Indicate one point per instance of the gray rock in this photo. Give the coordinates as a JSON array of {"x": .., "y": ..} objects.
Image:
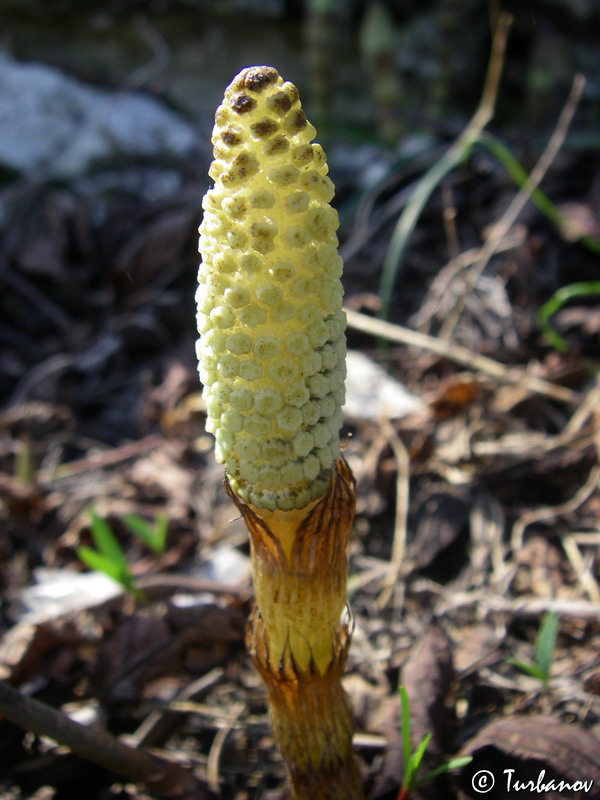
[
  {"x": 52, "y": 123},
  {"x": 371, "y": 394}
]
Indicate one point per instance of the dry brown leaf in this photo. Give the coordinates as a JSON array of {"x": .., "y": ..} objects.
[
  {"x": 476, "y": 646},
  {"x": 158, "y": 241},
  {"x": 455, "y": 395},
  {"x": 426, "y": 676},
  {"x": 441, "y": 518},
  {"x": 539, "y": 749},
  {"x": 29, "y": 650}
]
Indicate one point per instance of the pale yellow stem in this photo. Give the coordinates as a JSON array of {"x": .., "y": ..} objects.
[{"x": 299, "y": 635}]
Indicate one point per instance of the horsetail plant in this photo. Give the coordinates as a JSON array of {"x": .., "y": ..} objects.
[{"x": 271, "y": 358}]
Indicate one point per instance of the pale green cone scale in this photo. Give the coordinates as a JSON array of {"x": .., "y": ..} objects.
[{"x": 272, "y": 347}]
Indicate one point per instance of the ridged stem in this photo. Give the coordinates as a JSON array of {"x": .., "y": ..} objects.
[{"x": 299, "y": 634}]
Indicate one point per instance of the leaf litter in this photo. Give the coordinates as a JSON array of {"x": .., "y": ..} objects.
[{"x": 478, "y": 507}]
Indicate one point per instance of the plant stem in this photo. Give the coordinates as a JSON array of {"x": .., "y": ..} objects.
[{"x": 299, "y": 636}]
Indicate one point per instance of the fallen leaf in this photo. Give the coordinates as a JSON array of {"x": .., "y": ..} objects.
[
  {"x": 426, "y": 676},
  {"x": 539, "y": 749},
  {"x": 441, "y": 518},
  {"x": 454, "y": 396}
]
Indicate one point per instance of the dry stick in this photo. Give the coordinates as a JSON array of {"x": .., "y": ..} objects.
[
  {"x": 586, "y": 537},
  {"x": 438, "y": 288},
  {"x": 163, "y": 777},
  {"x": 159, "y": 725},
  {"x": 487, "y": 104},
  {"x": 449, "y": 221},
  {"x": 487, "y": 522},
  {"x": 105, "y": 458},
  {"x": 549, "y": 512},
  {"x": 519, "y": 201},
  {"x": 402, "y": 501},
  {"x": 462, "y": 355},
  {"x": 534, "y": 608},
  {"x": 535, "y": 445},
  {"x": 214, "y": 755},
  {"x": 583, "y": 574},
  {"x": 491, "y": 603}
]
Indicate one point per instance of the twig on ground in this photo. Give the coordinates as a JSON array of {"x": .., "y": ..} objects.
[
  {"x": 491, "y": 603},
  {"x": 449, "y": 221},
  {"x": 550, "y": 512},
  {"x": 461, "y": 355},
  {"x": 446, "y": 163},
  {"x": 436, "y": 300},
  {"x": 583, "y": 574},
  {"x": 165, "y": 585},
  {"x": 391, "y": 580},
  {"x": 586, "y": 537},
  {"x": 105, "y": 459},
  {"x": 214, "y": 755},
  {"x": 162, "y": 777},
  {"x": 487, "y": 523},
  {"x": 159, "y": 725}
]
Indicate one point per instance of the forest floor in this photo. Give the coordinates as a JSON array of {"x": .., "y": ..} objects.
[{"x": 477, "y": 515}]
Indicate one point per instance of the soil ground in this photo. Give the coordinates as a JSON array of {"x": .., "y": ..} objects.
[{"x": 475, "y": 517}]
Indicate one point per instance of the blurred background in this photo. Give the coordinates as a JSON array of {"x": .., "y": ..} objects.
[
  {"x": 106, "y": 111},
  {"x": 105, "y": 118}
]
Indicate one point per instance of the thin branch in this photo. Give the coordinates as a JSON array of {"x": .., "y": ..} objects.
[
  {"x": 159, "y": 725},
  {"x": 212, "y": 765},
  {"x": 550, "y": 512},
  {"x": 106, "y": 458},
  {"x": 461, "y": 355},
  {"x": 490, "y": 604},
  {"x": 455, "y": 153},
  {"x": 394, "y": 571},
  {"x": 583, "y": 573},
  {"x": 487, "y": 104},
  {"x": 163, "y": 777},
  {"x": 517, "y": 204}
]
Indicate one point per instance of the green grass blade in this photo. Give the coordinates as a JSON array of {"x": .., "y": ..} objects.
[
  {"x": 545, "y": 643},
  {"x": 528, "y": 668},
  {"x": 454, "y": 763},
  {"x": 105, "y": 540},
  {"x": 556, "y": 302},
  {"x": 538, "y": 198},
  {"x": 161, "y": 529},
  {"x": 154, "y": 538},
  {"x": 409, "y": 217},
  {"x": 406, "y": 744},
  {"x": 101, "y": 563},
  {"x": 553, "y": 337},
  {"x": 417, "y": 757},
  {"x": 139, "y": 527}
]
